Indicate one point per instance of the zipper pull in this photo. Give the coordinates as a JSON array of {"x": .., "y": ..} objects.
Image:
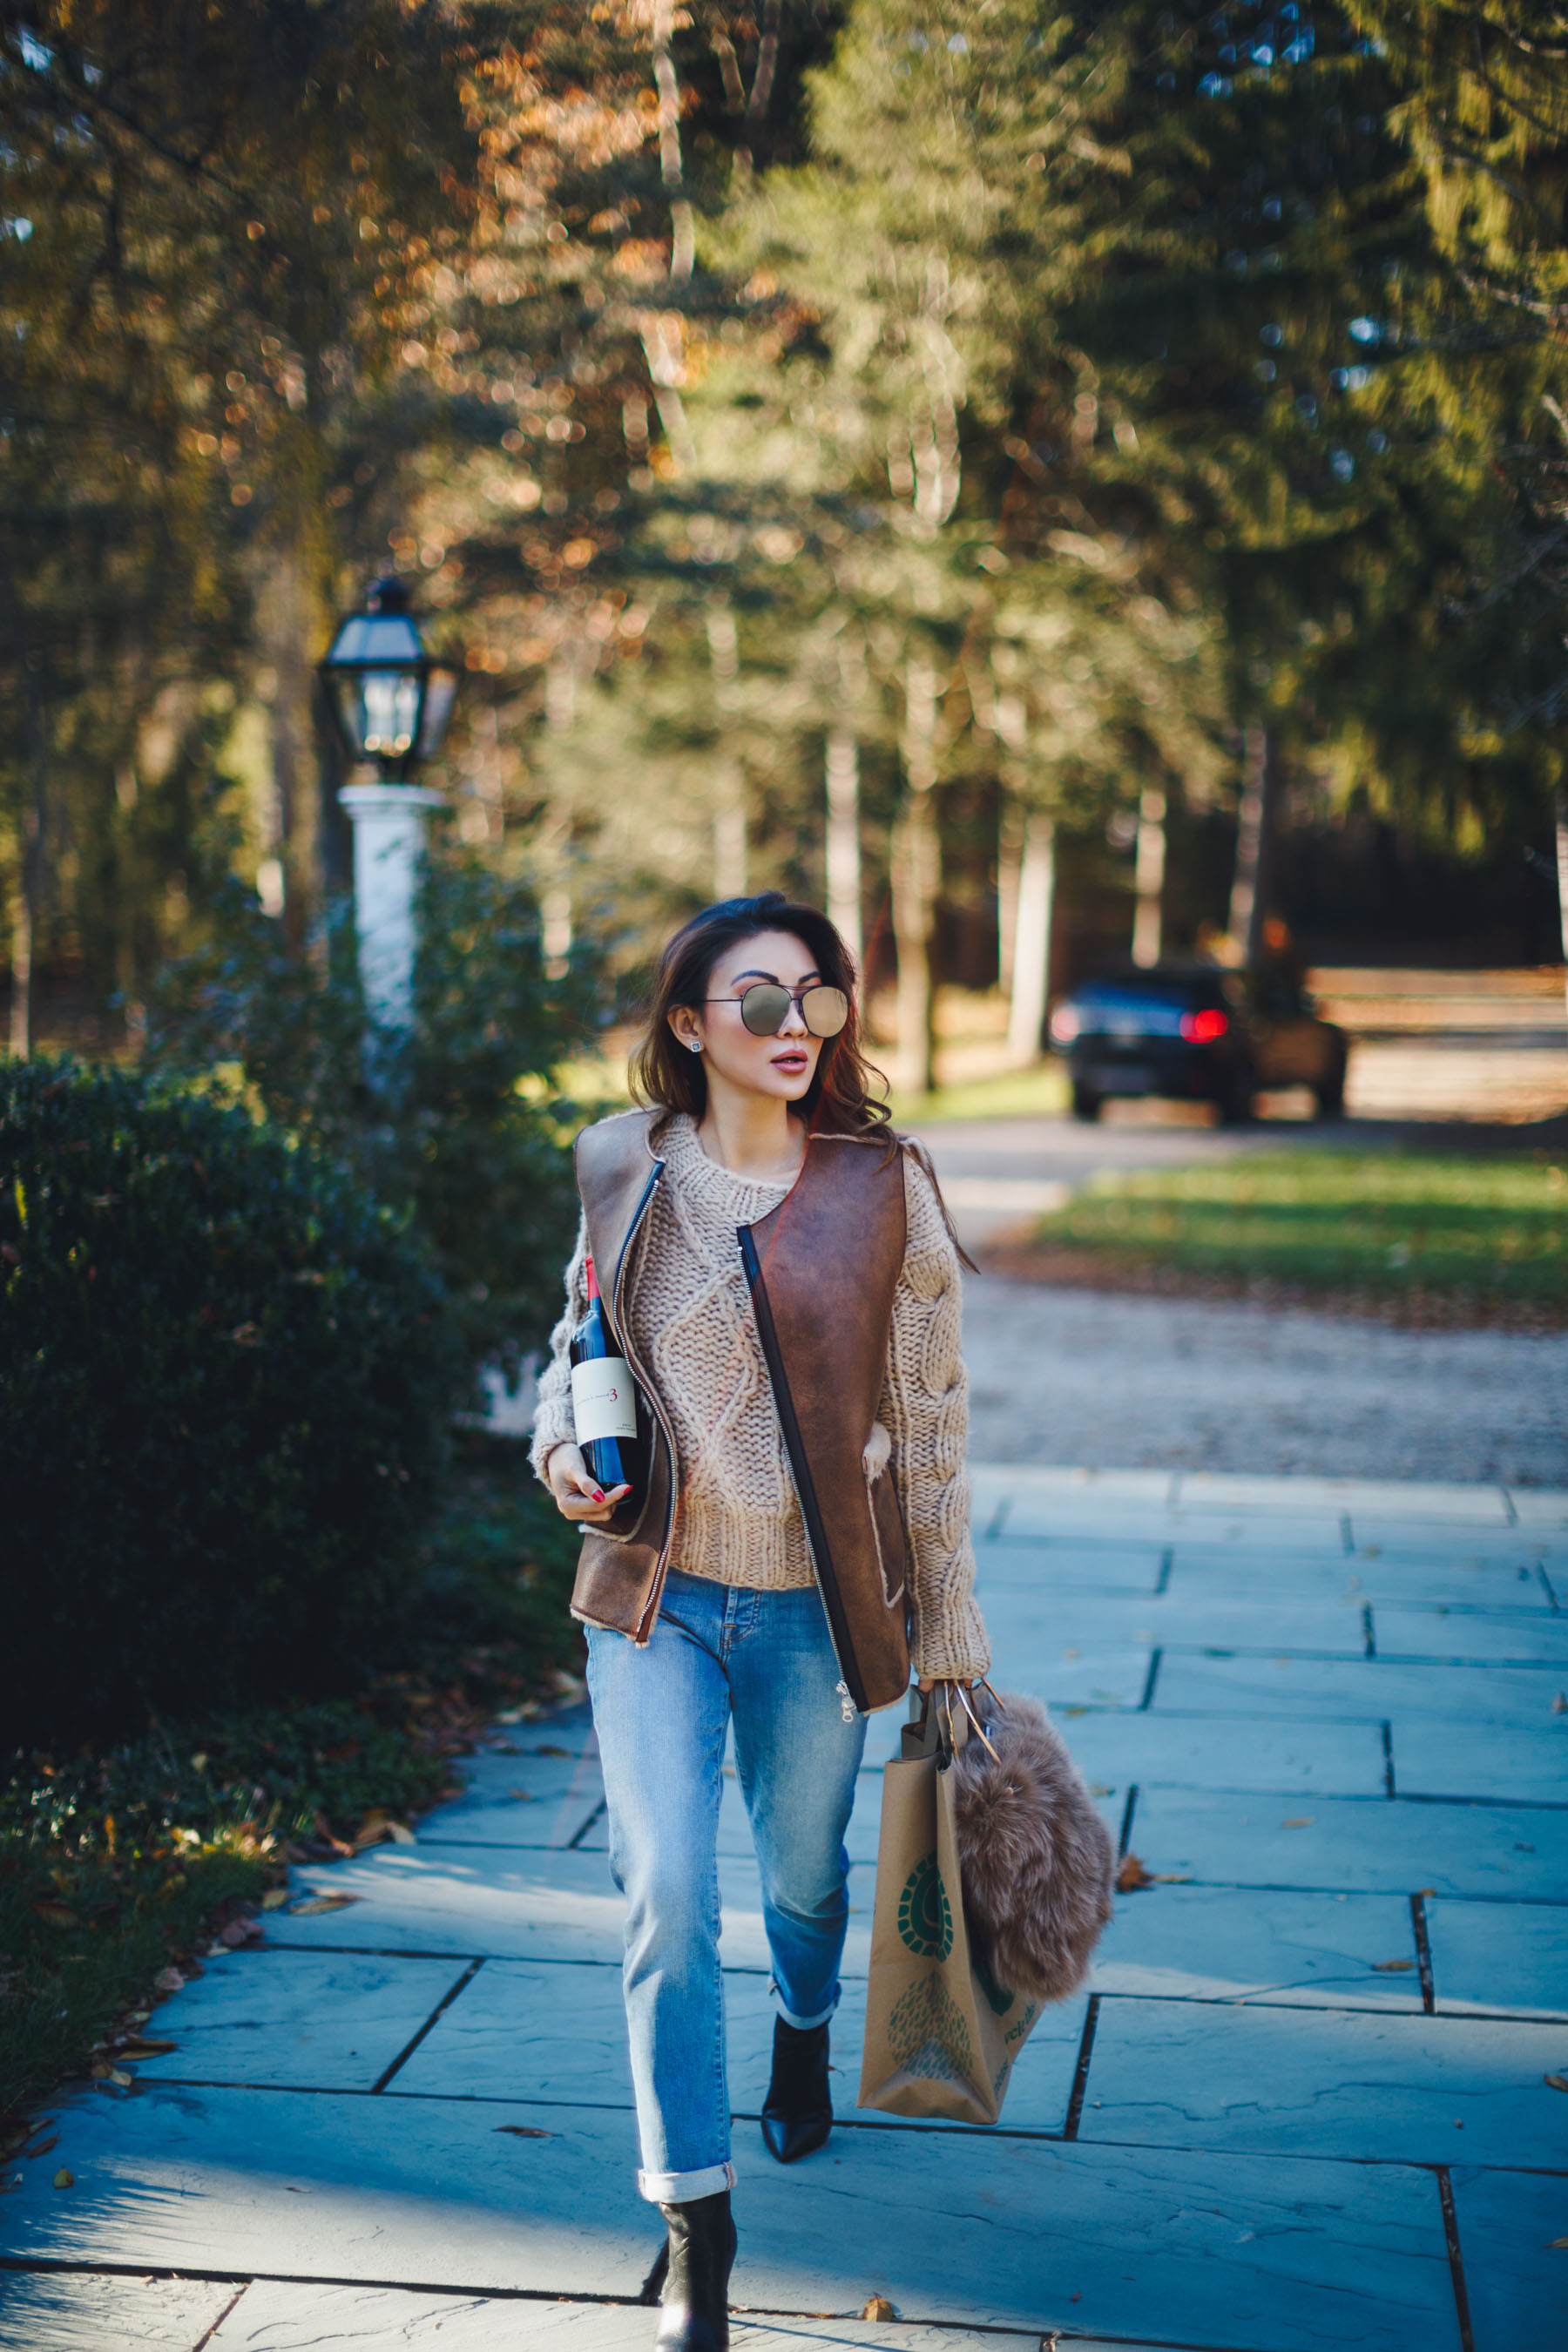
[{"x": 845, "y": 1703}]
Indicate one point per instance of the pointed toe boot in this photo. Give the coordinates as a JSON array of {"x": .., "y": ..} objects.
[
  {"x": 797, "y": 2114},
  {"x": 694, "y": 2308}
]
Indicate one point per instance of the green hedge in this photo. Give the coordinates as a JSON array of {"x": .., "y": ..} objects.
[{"x": 226, "y": 1380}]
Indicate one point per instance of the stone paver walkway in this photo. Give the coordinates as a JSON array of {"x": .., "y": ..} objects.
[{"x": 1304, "y": 2103}]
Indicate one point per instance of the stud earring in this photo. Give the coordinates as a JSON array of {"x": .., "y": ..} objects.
[{"x": 695, "y": 1043}]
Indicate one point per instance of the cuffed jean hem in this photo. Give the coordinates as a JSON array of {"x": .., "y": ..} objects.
[
  {"x": 685, "y": 2187},
  {"x": 803, "y": 2024}
]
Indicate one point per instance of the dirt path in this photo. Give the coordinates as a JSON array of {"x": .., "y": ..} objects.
[{"x": 1105, "y": 1381}]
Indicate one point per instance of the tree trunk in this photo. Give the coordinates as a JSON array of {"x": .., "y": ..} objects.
[
  {"x": 729, "y": 834},
  {"x": 1009, "y": 867},
  {"x": 916, "y": 875},
  {"x": 842, "y": 839},
  {"x": 1248, "y": 902},
  {"x": 1563, "y": 871},
  {"x": 287, "y": 628},
  {"x": 682, "y": 220},
  {"x": 1147, "y": 934},
  {"x": 1032, "y": 939}
]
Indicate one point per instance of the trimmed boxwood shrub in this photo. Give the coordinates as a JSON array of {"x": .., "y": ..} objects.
[{"x": 225, "y": 1378}]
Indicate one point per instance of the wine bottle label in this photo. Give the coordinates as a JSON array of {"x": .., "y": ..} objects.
[{"x": 603, "y": 1400}]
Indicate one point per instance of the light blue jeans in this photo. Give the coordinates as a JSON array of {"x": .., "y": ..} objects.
[{"x": 766, "y": 1660}]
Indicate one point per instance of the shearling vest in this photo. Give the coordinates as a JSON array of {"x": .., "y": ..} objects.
[{"x": 821, "y": 1270}]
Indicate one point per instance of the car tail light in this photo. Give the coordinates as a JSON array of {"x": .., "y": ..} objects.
[
  {"x": 1203, "y": 1028},
  {"x": 1065, "y": 1023}
]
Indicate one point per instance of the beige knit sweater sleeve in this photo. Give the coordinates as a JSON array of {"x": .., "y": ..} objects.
[{"x": 925, "y": 1408}]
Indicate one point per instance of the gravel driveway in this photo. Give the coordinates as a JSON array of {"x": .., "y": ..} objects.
[{"x": 1108, "y": 1381}]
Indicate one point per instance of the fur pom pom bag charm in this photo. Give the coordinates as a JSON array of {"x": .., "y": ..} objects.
[{"x": 1036, "y": 1860}]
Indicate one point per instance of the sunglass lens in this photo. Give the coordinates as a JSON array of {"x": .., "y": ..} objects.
[
  {"x": 763, "y": 1007},
  {"x": 825, "y": 1010}
]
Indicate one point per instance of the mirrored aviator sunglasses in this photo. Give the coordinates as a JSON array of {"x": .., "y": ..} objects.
[{"x": 764, "y": 1007}]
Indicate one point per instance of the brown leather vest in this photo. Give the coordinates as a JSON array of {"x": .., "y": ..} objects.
[{"x": 822, "y": 1267}]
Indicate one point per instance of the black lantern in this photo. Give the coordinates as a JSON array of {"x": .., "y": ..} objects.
[{"x": 391, "y": 700}]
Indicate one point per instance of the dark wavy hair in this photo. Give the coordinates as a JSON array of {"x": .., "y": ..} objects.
[{"x": 666, "y": 1076}]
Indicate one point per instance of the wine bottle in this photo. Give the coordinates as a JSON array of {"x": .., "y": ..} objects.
[{"x": 605, "y": 1403}]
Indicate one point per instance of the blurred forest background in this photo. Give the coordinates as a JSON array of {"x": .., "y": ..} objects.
[{"x": 955, "y": 461}]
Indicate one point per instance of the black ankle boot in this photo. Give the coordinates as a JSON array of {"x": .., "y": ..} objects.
[
  {"x": 797, "y": 2114},
  {"x": 694, "y": 2309}
]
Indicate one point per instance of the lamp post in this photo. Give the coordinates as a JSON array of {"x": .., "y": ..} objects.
[{"x": 392, "y": 701}]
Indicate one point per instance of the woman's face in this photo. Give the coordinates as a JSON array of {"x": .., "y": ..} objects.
[{"x": 781, "y": 1066}]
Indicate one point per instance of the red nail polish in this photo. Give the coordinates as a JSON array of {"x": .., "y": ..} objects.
[{"x": 598, "y": 1494}]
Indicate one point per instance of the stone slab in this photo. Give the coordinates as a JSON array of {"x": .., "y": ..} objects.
[
  {"x": 1197, "y": 1751},
  {"x": 92, "y": 2311},
  {"x": 1278, "y": 2253},
  {"x": 975, "y": 2228},
  {"x": 322, "y": 2020},
  {"x": 1539, "y": 1506},
  {"x": 557, "y": 2033},
  {"x": 1415, "y": 1498},
  {"x": 1515, "y": 2274},
  {"x": 1309, "y": 1531},
  {"x": 1489, "y": 1584},
  {"x": 415, "y": 2192},
  {"x": 1217, "y": 1943},
  {"x": 1042, "y": 1567},
  {"x": 1358, "y": 1689},
  {"x": 277, "y": 2316},
  {"x": 1517, "y": 1637},
  {"x": 507, "y": 1904},
  {"x": 518, "y": 1795},
  {"x": 1171, "y": 1620},
  {"x": 1501, "y": 1761},
  {"x": 1507, "y": 1854},
  {"x": 1308, "y": 2082},
  {"x": 1502, "y": 1958}
]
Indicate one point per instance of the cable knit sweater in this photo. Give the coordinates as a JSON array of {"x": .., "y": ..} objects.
[{"x": 691, "y": 1322}]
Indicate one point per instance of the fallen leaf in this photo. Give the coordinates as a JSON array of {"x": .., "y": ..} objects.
[
  {"x": 119, "y": 2078},
  {"x": 1131, "y": 1876},
  {"x": 59, "y": 1914},
  {"x": 1556, "y": 2243},
  {"x": 553, "y": 1751},
  {"x": 878, "y": 2307},
  {"x": 1170, "y": 1878},
  {"x": 525, "y": 2131},
  {"x": 44, "y": 2146},
  {"x": 1555, "y": 2081},
  {"x": 64, "y": 2179},
  {"x": 142, "y": 2049},
  {"x": 1392, "y": 1968},
  {"x": 275, "y": 1899},
  {"x": 236, "y": 1933},
  {"x": 524, "y": 1796},
  {"x": 169, "y": 1980},
  {"x": 1098, "y": 1788},
  {"x": 1299, "y": 1822},
  {"x": 400, "y": 1833},
  {"x": 1560, "y": 1703},
  {"x": 321, "y": 1903}
]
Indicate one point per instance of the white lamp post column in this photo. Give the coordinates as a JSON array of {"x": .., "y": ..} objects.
[{"x": 390, "y": 822}]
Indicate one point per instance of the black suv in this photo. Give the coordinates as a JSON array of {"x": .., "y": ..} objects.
[{"x": 1198, "y": 1031}]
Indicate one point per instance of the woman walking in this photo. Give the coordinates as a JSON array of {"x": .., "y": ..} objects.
[{"x": 781, "y": 1276}]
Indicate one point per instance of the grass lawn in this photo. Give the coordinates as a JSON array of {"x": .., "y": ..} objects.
[
  {"x": 116, "y": 1866},
  {"x": 1483, "y": 1230}
]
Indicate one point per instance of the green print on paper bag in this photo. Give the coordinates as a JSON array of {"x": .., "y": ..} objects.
[
  {"x": 925, "y": 1915},
  {"x": 927, "y": 2035}
]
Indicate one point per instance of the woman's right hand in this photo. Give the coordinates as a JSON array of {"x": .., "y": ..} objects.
[{"x": 578, "y": 1493}]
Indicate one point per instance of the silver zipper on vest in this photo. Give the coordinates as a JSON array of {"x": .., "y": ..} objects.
[{"x": 845, "y": 1703}]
